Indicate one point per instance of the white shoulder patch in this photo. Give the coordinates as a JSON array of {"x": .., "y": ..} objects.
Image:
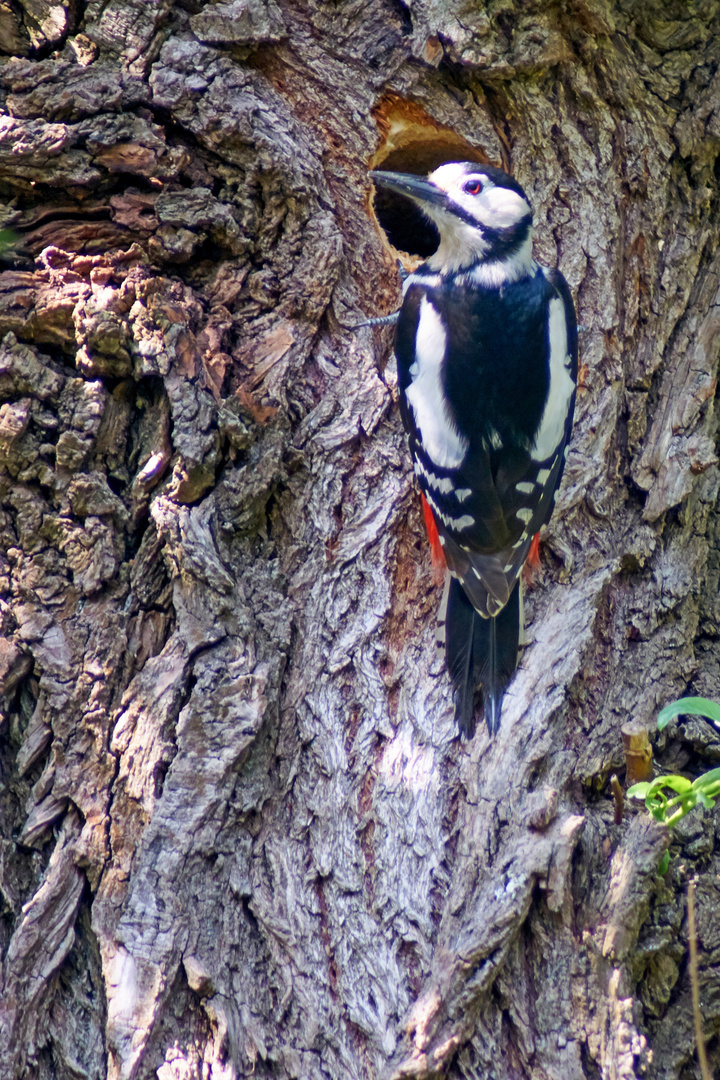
[
  {"x": 552, "y": 423},
  {"x": 441, "y": 440},
  {"x": 430, "y": 281}
]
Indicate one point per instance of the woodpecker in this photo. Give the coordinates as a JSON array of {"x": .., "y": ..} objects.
[{"x": 486, "y": 347}]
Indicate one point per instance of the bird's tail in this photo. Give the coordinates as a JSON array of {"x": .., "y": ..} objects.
[{"x": 479, "y": 650}]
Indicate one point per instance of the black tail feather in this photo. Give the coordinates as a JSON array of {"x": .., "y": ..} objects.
[
  {"x": 483, "y": 651},
  {"x": 459, "y": 655}
]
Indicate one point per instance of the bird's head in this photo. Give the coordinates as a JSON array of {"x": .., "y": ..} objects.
[{"x": 481, "y": 213}]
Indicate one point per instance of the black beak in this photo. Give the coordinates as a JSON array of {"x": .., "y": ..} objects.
[{"x": 413, "y": 187}]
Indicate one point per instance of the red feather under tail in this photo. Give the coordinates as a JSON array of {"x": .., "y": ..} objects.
[
  {"x": 436, "y": 552},
  {"x": 532, "y": 562}
]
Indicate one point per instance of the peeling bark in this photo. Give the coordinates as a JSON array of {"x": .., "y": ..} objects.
[{"x": 239, "y": 836}]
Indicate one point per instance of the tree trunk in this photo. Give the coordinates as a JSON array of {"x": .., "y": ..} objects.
[{"x": 239, "y": 836}]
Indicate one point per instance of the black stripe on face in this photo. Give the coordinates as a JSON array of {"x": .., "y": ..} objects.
[
  {"x": 506, "y": 242},
  {"x": 502, "y": 242},
  {"x": 463, "y": 215}
]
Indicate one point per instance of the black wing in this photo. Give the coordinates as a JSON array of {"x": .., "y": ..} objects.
[{"x": 509, "y": 379}]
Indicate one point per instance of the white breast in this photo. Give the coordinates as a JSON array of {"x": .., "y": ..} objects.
[
  {"x": 440, "y": 437},
  {"x": 552, "y": 424}
]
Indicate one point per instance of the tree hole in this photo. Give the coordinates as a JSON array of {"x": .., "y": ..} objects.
[{"x": 412, "y": 142}]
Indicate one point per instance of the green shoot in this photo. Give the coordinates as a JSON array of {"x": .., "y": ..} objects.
[
  {"x": 670, "y": 798},
  {"x": 688, "y": 706}
]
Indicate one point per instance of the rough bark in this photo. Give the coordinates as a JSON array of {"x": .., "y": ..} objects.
[{"x": 239, "y": 836}]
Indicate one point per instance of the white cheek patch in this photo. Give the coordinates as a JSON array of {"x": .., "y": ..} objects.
[
  {"x": 440, "y": 438},
  {"x": 499, "y": 208},
  {"x": 552, "y": 423}
]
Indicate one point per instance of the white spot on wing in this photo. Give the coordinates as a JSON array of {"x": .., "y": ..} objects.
[
  {"x": 463, "y": 493},
  {"x": 440, "y": 438},
  {"x": 552, "y": 423},
  {"x": 525, "y": 514},
  {"x": 442, "y": 484},
  {"x": 464, "y": 522},
  {"x": 450, "y": 522},
  {"x": 525, "y": 486},
  {"x": 543, "y": 474}
]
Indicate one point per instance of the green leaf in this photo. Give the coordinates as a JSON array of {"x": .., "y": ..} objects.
[
  {"x": 711, "y": 777},
  {"x": 689, "y": 706},
  {"x": 655, "y": 787},
  {"x": 679, "y": 784},
  {"x": 638, "y": 791},
  {"x": 655, "y": 796},
  {"x": 664, "y": 863}
]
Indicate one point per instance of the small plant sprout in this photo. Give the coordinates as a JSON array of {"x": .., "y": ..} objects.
[{"x": 670, "y": 798}]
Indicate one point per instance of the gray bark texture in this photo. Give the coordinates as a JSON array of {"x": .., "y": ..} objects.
[{"x": 238, "y": 834}]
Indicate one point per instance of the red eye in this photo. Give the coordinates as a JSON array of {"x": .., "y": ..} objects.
[{"x": 472, "y": 187}]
